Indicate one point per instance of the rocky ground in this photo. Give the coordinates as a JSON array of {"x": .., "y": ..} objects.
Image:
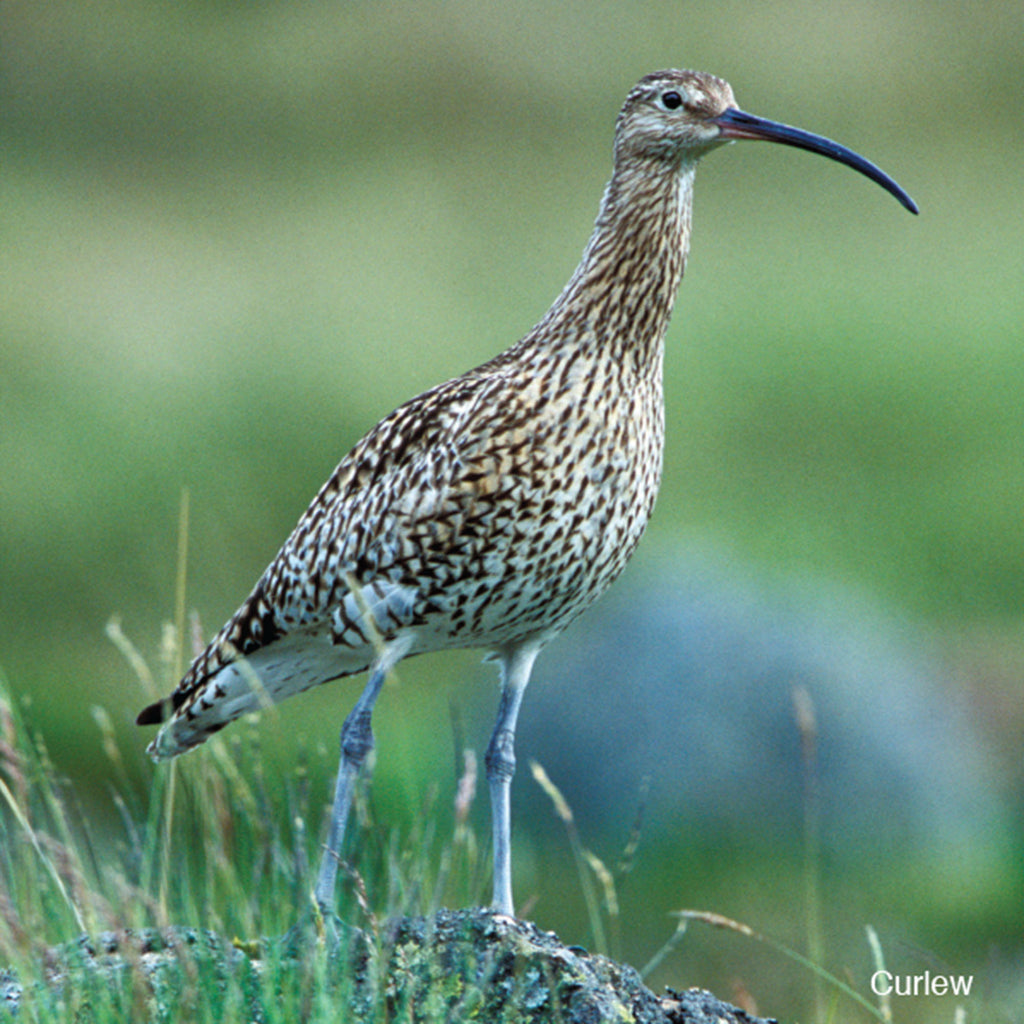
[{"x": 452, "y": 966}]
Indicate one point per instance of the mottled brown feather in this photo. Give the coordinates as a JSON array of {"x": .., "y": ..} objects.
[{"x": 497, "y": 506}]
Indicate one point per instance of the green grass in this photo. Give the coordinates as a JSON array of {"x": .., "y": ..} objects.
[
  {"x": 216, "y": 845},
  {"x": 219, "y": 845}
]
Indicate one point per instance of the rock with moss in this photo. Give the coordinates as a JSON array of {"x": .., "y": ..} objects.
[
  {"x": 453, "y": 966},
  {"x": 477, "y": 965}
]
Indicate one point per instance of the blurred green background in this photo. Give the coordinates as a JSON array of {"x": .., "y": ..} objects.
[{"x": 234, "y": 235}]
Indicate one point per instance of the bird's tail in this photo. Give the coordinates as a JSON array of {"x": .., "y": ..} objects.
[{"x": 288, "y": 666}]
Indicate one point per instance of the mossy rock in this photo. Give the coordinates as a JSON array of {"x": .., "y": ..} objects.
[
  {"x": 477, "y": 965},
  {"x": 454, "y": 966}
]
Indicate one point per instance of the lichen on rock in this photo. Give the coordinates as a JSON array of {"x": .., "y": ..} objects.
[{"x": 452, "y": 966}]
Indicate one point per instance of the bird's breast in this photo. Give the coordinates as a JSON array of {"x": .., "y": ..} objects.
[{"x": 544, "y": 516}]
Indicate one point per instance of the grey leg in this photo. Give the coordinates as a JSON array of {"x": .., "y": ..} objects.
[
  {"x": 356, "y": 743},
  {"x": 501, "y": 765}
]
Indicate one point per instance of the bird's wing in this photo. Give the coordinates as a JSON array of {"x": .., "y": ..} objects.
[{"x": 410, "y": 503}]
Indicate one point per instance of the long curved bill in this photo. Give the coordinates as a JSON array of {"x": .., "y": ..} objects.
[{"x": 736, "y": 124}]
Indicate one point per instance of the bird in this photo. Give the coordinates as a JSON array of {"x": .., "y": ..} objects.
[{"x": 491, "y": 510}]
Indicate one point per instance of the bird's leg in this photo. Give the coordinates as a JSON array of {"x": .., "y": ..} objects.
[
  {"x": 356, "y": 743},
  {"x": 501, "y": 765}
]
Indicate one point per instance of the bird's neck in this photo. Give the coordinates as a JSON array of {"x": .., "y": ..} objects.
[{"x": 621, "y": 296}]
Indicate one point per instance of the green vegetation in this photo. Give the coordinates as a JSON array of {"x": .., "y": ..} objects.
[
  {"x": 223, "y": 844},
  {"x": 218, "y": 843}
]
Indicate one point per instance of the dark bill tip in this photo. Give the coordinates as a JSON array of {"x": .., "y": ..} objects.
[{"x": 736, "y": 124}]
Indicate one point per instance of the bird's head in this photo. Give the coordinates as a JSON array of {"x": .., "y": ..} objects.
[
  {"x": 669, "y": 116},
  {"x": 675, "y": 117}
]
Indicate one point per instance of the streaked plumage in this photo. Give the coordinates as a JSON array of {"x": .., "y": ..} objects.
[{"x": 491, "y": 510}]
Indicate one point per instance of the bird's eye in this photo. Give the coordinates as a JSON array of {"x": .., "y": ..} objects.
[{"x": 671, "y": 100}]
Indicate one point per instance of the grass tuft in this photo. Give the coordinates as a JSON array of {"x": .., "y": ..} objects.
[{"x": 211, "y": 842}]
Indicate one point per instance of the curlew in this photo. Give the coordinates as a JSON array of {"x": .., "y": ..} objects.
[{"x": 491, "y": 510}]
